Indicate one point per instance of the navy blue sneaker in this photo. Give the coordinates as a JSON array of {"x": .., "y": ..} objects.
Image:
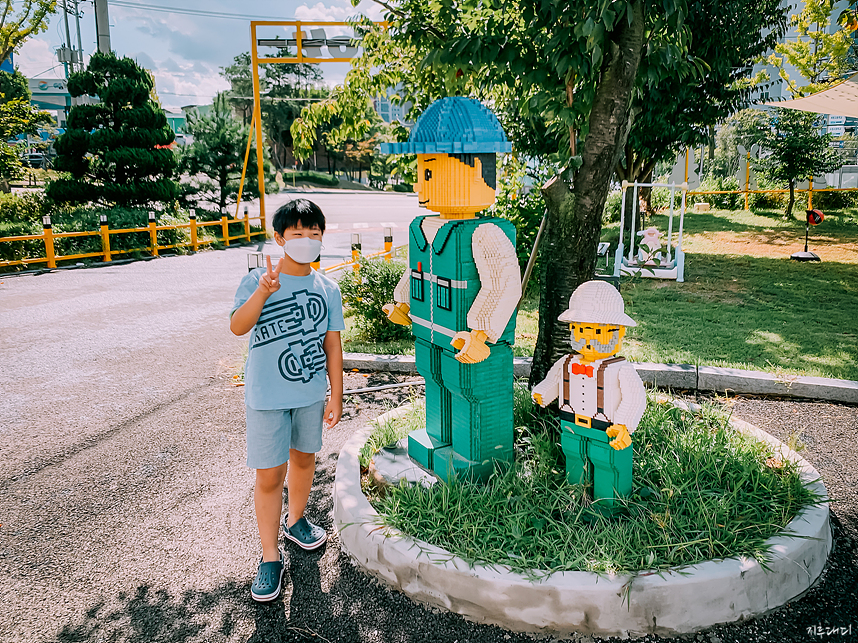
[
  {"x": 305, "y": 534},
  {"x": 269, "y": 578}
]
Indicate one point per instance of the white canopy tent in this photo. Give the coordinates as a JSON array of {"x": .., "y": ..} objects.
[{"x": 841, "y": 99}]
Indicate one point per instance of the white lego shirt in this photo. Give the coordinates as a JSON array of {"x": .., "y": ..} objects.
[
  {"x": 624, "y": 395},
  {"x": 497, "y": 266}
]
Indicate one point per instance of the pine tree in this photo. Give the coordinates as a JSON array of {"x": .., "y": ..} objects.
[
  {"x": 215, "y": 159},
  {"x": 116, "y": 151}
]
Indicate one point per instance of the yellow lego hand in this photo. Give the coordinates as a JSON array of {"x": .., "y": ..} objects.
[
  {"x": 398, "y": 313},
  {"x": 472, "y": 346},
  {"x": 537, "y": 397},
  {"x": 621, "y": 433}
]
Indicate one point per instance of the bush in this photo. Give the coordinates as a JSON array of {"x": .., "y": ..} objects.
[
  {"x": 403, "y": 187},
  {"x": 835, "y": 200},
  {"x": 366, "y": 291},
  {"x": 613, "y": 205},
  {"x": 311, "y": 177},
  {"x": 19, "y": 216}
]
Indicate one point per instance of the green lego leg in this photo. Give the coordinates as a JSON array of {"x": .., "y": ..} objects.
[
  {"x": 481, "y": 413},
  {"x": 612, "y": 471},
  {"x": 574, "y": 446},
  {"x": 423, "y": 443}
]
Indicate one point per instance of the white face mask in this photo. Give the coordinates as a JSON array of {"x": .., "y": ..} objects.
[{"x": 303, "y": 249}]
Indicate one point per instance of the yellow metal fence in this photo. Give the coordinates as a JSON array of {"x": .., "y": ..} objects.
[{"x": 48, "y": 236}]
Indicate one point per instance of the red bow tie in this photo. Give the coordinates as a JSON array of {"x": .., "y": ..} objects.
[{"x": 580, "y": 369}]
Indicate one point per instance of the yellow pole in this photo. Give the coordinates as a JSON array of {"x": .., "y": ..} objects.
[
  {"x": 48, "y": 235},
  {"x": 388, "y": 244},
  {"x": 105, "y": 237},
  {"x": 153, "y": 234},
  {"x": 747, "y": 180},
  {"x": 194, "y": 242},
  {"x": 244, "y": 168},
  {"x": 257, "y": 112},
  {"x": 810, "y": 195},
  {"x": 246, "y": 224},
  {"x": 355, "y": 252},
  {"x": 224, "y": 226},
  {"x": 685, "y": 180}
]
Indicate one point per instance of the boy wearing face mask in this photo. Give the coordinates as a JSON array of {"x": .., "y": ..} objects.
[{"x": 295, "y": 316}]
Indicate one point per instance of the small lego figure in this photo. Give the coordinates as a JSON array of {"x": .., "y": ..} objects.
[
  {"x": 601, "y": 397},
  {"x": 651, "y": 238},
  {"x": 460, "y": 292}
]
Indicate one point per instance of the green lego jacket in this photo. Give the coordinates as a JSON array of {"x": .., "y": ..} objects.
[{"x": 444, "y": 280}]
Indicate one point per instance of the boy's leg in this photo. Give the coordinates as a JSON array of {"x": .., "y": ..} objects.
[
  {"x": 298, "y": 483},
  {"x": 306, "y": 441},
  {"x": 268, "y": 500}
]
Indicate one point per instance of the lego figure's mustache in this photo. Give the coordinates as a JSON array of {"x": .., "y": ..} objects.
[{"x": 608, "y": 347}]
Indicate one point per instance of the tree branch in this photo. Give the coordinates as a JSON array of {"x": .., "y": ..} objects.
[{"x": 397, "y": 12}]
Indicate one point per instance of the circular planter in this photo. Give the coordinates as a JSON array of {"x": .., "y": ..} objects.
[{"x": 667, "y": 603}]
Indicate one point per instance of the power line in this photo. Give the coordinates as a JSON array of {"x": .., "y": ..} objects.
[{"x": 189, "y": 12}]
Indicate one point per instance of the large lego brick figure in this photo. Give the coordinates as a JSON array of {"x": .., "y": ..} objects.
[
  {"x": 600, "y": 396},
  {"x": 460, "y": 292}
]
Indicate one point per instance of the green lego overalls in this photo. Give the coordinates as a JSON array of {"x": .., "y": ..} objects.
[{"x": 468, "y": 406}]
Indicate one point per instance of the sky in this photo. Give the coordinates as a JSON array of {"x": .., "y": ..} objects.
[{"x": 184, "y": 51}]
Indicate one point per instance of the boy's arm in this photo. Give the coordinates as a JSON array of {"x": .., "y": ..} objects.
[
  {"x": 245, "y": 316},
  {"x": 334, "y": 351}
]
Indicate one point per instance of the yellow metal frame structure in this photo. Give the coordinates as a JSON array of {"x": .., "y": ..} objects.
[{"x": 255, "y": 61}]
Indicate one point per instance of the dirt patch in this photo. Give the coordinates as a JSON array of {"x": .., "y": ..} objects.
[{"x": 776, "y": 244}]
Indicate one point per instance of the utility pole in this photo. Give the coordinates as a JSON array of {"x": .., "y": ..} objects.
[
  {"x": 68, "y": 37},
  {"x": 79, "y": 43},
  {"x": 102, "y": 26}
]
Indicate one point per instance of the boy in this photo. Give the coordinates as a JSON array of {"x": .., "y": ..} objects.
[{"x": 296, "y": 315}]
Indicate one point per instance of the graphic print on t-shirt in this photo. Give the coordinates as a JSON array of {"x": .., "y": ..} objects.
[{"x": 300, "y": 321}]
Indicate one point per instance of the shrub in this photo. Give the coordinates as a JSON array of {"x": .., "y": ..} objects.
[
  {"x": 835, "y": 200},
  {"x": 613, "y": 205},
  {"x": 403, "y": 187},
  {"x": 310, "y": 176},
  {"x": 366, "y": 291}
]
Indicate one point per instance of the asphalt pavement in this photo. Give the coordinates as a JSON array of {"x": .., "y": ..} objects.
[{"x": 126, "y": 508}]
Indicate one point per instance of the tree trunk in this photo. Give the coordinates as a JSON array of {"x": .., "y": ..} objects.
[
  {"x": 575, "y": 216},
  {"x": 791, "y": 199}
]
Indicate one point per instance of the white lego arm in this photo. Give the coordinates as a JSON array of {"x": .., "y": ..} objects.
[
  {"x": 402, "y": 292},
  {"x": 500, "y": 281},
  {"x": 549, "y": 389},
  {"x": 632, "y": 398}
]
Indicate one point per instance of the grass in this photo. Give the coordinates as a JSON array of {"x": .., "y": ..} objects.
[
  {"x": 744, "y": 304},
  {"x": 702, "y": 491},
  {"x": 392, "y": 431}
]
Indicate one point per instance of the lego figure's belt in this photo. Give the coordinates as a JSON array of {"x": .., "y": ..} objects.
[
  {"x": 432, "y": 327},
  {"x": 585, "y": 421}
]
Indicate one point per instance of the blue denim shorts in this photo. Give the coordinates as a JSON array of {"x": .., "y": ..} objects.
[{"x": 270, "y": 434}]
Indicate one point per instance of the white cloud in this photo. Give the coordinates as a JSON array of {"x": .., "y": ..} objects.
[{"x": 36, "y": 59}]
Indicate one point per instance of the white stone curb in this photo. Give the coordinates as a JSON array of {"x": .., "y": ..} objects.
[
  {"x": 679, "y": 377},
  {"x": 681, "y": 601}
]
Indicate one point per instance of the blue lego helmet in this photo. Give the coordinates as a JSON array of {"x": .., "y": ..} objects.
[{"x": 454, "y": 125}]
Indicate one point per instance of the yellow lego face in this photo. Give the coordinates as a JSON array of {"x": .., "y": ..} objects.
[
  {"x": 597, "y": 341},
  {"x": 450, "y": 187}
]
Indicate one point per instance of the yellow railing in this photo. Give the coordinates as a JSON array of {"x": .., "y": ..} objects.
[
  {"x": 48, "y": 236},
  {"x": 810, "y": 190}
]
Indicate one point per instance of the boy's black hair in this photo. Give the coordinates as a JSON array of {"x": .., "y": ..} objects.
[{"x": 298, "y": 212}]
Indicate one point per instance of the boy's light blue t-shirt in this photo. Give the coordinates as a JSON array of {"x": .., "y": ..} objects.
[{"x": 286, "y": 366}]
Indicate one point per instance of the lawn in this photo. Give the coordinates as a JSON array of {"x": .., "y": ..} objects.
[{"x": 744, "y": 304}]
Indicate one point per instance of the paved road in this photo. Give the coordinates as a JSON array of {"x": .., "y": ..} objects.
[{"x": 125, "y": 506}]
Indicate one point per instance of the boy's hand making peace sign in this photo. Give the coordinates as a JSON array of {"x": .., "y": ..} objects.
[{"x": 269, "y": 283}]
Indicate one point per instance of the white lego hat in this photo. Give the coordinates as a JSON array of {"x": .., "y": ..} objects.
[{"x": 597, "y": 302}]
